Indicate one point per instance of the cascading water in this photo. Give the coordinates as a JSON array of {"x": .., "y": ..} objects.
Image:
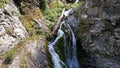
[
  {"x": 70, "y": 50},
  {"x": 55, "y": 57}
]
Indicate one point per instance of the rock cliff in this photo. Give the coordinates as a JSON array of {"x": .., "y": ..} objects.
[
  {"x": 17, "y": 48},
  {"x": 11, "y": 28},
  {"x": 99, "y": 32}
]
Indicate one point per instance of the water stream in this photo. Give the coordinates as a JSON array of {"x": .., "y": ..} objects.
[
  {"x": 69, "y": 49},
  {"x": 71, "y": 57},
  {"x": 55, "y": 57},
  {"x": 71, "y": 60}
]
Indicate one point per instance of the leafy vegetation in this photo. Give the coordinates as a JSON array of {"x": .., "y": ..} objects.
[
  {"x": 2, "y": 2},
  {"x": 29, "y": 24},
  {"x": 53, "y": 11},
  {"x": 8, "y": 57},
  {"x": 79, "y": 4}
]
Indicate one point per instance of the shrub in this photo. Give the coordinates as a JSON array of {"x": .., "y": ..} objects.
[
  {"x": 8, "y": 57},
  {"x": 52, "y": 12},
  {"x": 2, "y": 2},
  {"x": 30, "y": 25},
  {"x": 38, "y": 31}
]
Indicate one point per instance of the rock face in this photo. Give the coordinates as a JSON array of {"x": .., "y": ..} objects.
[
  {"x": 30, "y": 53},
  {"x": 100, "y": 32},
  {"x": 11, "y": 29},
  {"x": 33, "y": 55}
]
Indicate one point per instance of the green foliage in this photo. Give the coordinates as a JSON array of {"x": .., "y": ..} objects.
[
  {"x": 30, "y": 25},
  {"x": 59, "y": 47},
  {"x": 78, "y": 4},
  {"x": 53, "y": 11},
  {"x": 8, "y": 57},
  {"x": 38, "y": 31},
  {"x": 2, "y": 2}
]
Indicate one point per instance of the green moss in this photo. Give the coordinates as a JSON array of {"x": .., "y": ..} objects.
[
  {"x": 49, "y": 57},
  {"x": 78, "y": 5},
  {"x": 59, "y": 47}
]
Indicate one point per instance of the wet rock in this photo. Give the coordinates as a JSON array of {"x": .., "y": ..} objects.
[
  {"x": 72, "y": 21},
  {"x": 84, "y": 16}
]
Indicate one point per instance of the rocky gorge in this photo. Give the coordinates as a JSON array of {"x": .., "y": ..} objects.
[{"x": 88, "y": 38}]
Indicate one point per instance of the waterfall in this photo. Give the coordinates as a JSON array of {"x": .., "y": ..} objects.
[
  {"x": 71, "y": 57},
  {"x": 58, "y": 63},
  {"x": 69, "y": 50}
]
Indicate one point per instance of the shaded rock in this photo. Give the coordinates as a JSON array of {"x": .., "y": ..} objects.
[
  {"x": 37, "y": 57},
  {"x": 102, "y": 38},
  {"x": 93, "y": 11},
  {"x": 117, "y": 33},
  {"x": 84, "y": 16},
  {"x": 72, "y": 21}
]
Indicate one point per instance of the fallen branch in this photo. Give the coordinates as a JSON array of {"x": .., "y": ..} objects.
[
  {"x": 56, "y": 27},
  {"x": 38, "y": 22},
  {"x": 76, "y": 1}
]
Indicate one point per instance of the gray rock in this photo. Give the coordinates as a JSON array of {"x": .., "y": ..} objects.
[
  {"x": 104, "y": 47},
  {"x": 117, "y": 33},
  {"x": 2, "y": 30},
  {"x": 84, "y": 16},
  {"x": 93, "y": 11},
  {"x": 11, "y": 29}
]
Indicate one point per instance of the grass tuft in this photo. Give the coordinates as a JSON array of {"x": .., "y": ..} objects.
[{"x": 8, "y": 57}]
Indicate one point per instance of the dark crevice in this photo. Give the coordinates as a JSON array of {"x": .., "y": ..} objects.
[
  {"x": 117, "y": 24},
  {"x": 18, "y": 4},
  {"x": 82, "y": 55}
]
